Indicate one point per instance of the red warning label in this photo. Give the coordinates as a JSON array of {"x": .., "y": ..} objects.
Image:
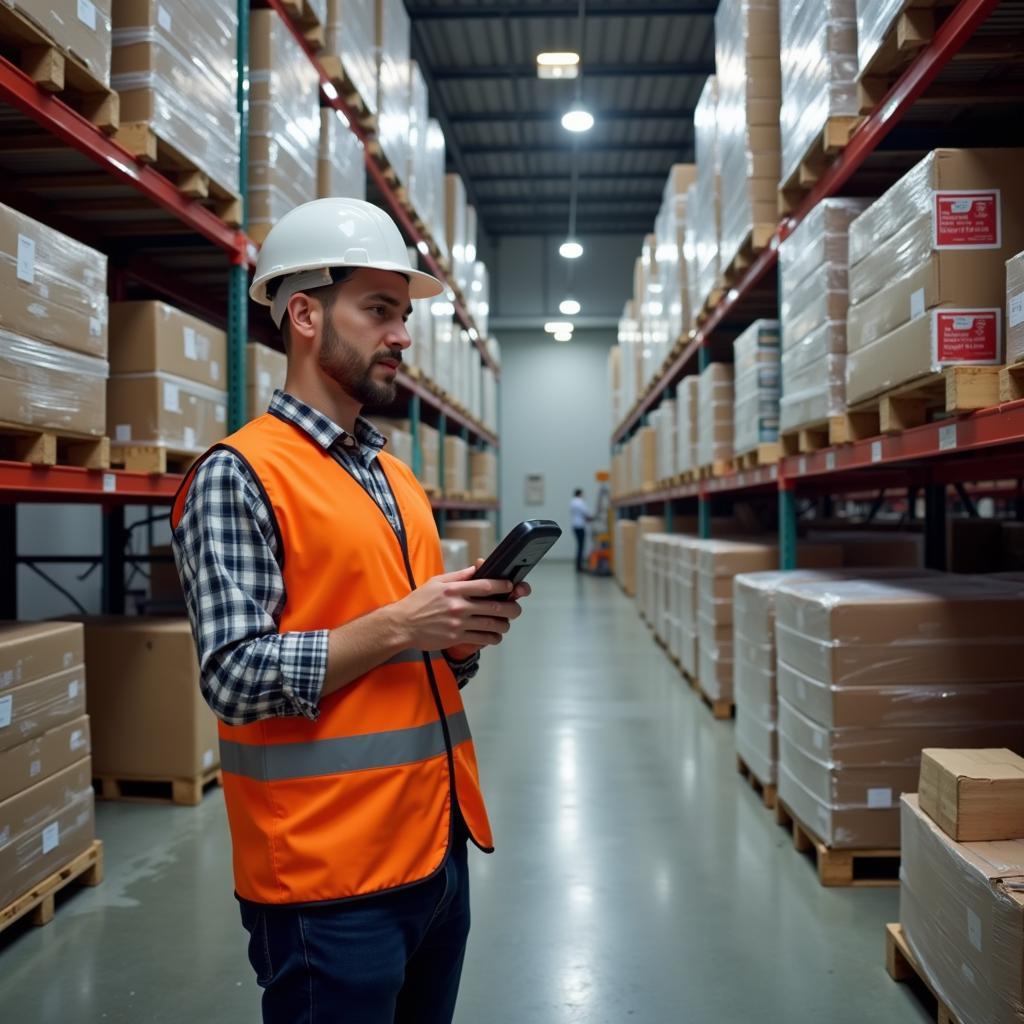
[
  {"x": 968, "y": 219},
  {"x": 966, "y": 336}
]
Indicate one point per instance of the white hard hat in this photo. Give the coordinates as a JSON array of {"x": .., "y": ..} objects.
[{"x": 309, "y": 241}]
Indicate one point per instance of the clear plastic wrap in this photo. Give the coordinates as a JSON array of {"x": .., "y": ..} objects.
[
  {"x": 747, "y": 67},
  {"x": 420, "y": 326},
  {"x": 962, "y": 911},
  {"x": 615, "y": 384},
  {"x": 669, "y": 229},
  {"x": 819, "y": 71},
  {"x": 707, "y": 208},
  {"x": 175, "y": 69},
  {"x": 36, "y": 707},
  {"x": 483, "y": 474},
  {"x": 715, "y": 411},
  {"x": 417, "y": 174},
  {"x": 477, "y": 533},
  {"x": 478, "y": 295},
  {"x": 351, "y": 37},
  {"x": 341, "y": 168},
  {"x": 689, "y": 261},
  {"x": 430, "y": 458},
  {"x": 399, "y": 438},
  {"x": 663, "y": 419},
  {"x": 1015, "y": 309},
  {"x": 456, "y": 466},
  {"x": 284, "y": 122},
  {"x": 456, "y": 228},
  {"x": 757, "y": 385},
  {"x": 265, "y": 370},
  {"x": 875, "y": 20},
  {"x": 164, "y": 410},
  {"x": 645, "y": 526},
  {"x": 78, "y": 27},
  {"x": 813, "y": 378},
  {"x": 444, "y": 345},
  {"x": 44, "y": 828},
  {"x": 52, "y": 288},
  {"x": 432, "y": 174},
  {"x": 43, "y": 385},
  {"x": 630, "y": 343},
  {"x": 151, "y": 336},
  {"x": 394, "y": 71},
  {"x": 821, "y": 296},
  {"x": 821, "y": 237},
  {"x": 489, "y": 399},
  {"x": 687, "y": 404}
]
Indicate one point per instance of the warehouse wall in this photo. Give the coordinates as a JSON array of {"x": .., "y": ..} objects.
[
  {"x": 532, "y": 278},
  {"x": 555, "y": 420}
]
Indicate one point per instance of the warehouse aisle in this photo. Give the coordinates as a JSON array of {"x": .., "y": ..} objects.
[{"x": 635, "y": 879}]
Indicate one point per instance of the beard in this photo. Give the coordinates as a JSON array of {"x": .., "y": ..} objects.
[{"x": 346, "y": 367}]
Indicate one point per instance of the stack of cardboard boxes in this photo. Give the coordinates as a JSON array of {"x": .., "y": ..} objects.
[
  {"x": 962, "y": 881},
  {"x": 927, "y": 269},
  {"x": 757, "y": 386},
  {"x": 350, "y": 40},
  {"x": 46, "y": 796},
  {"x": 670, "y": 232},
  {"x": 477, "y": 533},
  {"x": 483, "y": 474},
  {"x": 341, "y": 168},
  {"x": 687, "y": 404},
  {"x": 81, "y": 30},
  {"x": 749, "y": 95},
  {"x": 265, "y": 370},
  {"x": 707, "y": 205},
  {"x": 716, "y": 399},
  {"x": 53, "y": 329},
  {"x": 167, "y": 382},
  {"x": 872, "y": 671},
  {"x": 663, "y": 421},
  {"x": 394, "y": 71}
]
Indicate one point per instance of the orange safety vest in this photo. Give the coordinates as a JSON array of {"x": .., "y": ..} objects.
[{"x": 361, "y": 800}]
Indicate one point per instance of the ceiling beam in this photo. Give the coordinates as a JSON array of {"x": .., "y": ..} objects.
[
  {"x": 555, "y": 116},
  {"x": 523, "y": 179},
  {"x": 681, "y": 8},
  {"x": 676, "y": 69},
  {"x": 520, "y": 227},
  {"x": 621, "y": 147},
  {"x": 489, "y": 202}
]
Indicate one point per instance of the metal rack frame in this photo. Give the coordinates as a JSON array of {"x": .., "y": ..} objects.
[{"x": 987, "y": 445}]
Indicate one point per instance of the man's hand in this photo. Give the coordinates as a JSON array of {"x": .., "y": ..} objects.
[{"x": 463, "y": 651}]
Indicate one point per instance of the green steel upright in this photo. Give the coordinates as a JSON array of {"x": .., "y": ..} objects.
[
  {"x": 238, "y": 279},
  {"x": 787, "y": 526},
  {"x": 415, "y": 407}
]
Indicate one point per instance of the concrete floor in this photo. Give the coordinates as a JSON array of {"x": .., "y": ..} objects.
[{"x": 637, "y": 878}]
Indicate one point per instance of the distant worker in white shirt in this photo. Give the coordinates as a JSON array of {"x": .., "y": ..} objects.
[{"x": 580, "y": 515}]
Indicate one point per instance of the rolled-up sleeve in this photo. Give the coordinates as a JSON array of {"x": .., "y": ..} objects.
[{"x": 226, "y": 551}]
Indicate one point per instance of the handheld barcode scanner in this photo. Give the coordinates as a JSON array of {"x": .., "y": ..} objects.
[{"x": 519, "y": 552}]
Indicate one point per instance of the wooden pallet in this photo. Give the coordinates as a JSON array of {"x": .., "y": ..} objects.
[
  {"x": 305, "y": 17},
  {"x": 953, "y": 391},
  {"x": 902, "y": 966},
  {"x": 766, "y": 792},
  {"x": 811, "y": 438},
  {"x": 720, "y": 467},
  {"x": 151, "y": 458},
  {"x": 349, "y": 92},
  {"x": 139, "y": 138},
  {"x": 147, "y": 789},
  {"x": 720, "y": 709},
  {"x": 857, "y": 868},
  {"x": 763, "y": 455},
  {"x": 376, "y": 150},
  {"x": 758, "y": 238},
  {"x": 39, "y": 447},
  {"x": 57, "y": 71},
  {"x": 1011, "y": 383},
  {"x": 833, "y": 138},
  {"x": 909, "y": 32},
  {"x": 40, "y": 901}
]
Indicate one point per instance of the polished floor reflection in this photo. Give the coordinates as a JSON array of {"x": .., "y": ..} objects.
[{"x": 636, "y": 878}]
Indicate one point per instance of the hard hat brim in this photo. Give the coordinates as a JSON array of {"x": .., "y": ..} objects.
[{"x": 421, "y": 284}]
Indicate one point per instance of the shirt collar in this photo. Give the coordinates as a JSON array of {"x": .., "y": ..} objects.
[{"x": 322, "y": 429}]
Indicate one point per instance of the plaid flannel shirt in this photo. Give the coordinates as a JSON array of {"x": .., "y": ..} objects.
[{"x": 225, "y": 548}]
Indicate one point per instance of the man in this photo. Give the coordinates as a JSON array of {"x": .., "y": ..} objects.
[
  {"x": 580, "y": 515},
  {"x": 332, "y": 649}
]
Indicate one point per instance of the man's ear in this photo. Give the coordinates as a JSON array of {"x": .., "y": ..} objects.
[{"x": 305, "y": 316}]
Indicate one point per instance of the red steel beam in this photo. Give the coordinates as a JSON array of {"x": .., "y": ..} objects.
[
  {"x": 417, "y": 388},
  {"x": 50, "y": 113},
  {"x": 398, "y": 211},
  {"x": 20, "y": 481}
]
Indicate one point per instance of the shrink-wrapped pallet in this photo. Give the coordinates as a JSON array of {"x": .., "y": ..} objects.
[
  {"x": 351, "y": 37},
  {"x": 687, "y": 405},
  {"x": 663, "y": 420},
  {"x": 394, "y": 72},
  {"x": 707, "y": 207},
  {"x": 478, "y": 296},
  {"x": 756, "y": 404},
  {"x": 432, "y": 175},
  {"x": 489, "y": 399},
  {"x": 175, "y": 68},
  {"x": 714, "y": 417},
  {"x": 672, "y": 270},
  {"x": 284, "y": 123},
  {"x": 266, "y": 370},
  {"x": 341, "y": 168},
  {"x": 80, "y": 28}
]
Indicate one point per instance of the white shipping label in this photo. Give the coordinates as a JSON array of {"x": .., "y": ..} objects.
[
  {"x": 974, "y": 929},
  {"x": 220, "y": 413},
  {"x": 68, "y": 659},
  {"x": 51, "y": 837},
  {"x": 163, "y": 17},
  {"x": 1015, "y": 310},
  {"x": 73, "y": 687},
  {"x": 87, "y": 13},
  {"x": 265, "y": 378},
  {"x": 876, "y": 451},
  {"x": 214, "y": 369},
  {"x": 6, "y": 711},
  {"x": 109, "y": 482},
  {"x": 95, "y": 326},
  {"x": 879, "y": 798},
  {"x": 123, "y": 432},
  {"x": 189, "y": 337},
  {"x": 172, "y": 397},
  {"x": 190, "y": 437},
  {"x": 208, "y": 758},
  {"x": 802, "y": 465},
  {"x": 35, "y": 768},
  {"x": 917, "y": 304},
  {"x": 77, "y": 739},
  {"x": 830, "y": 462},
  {"x": 26, "y": 259},
  {"x": 947, "y": 438}
]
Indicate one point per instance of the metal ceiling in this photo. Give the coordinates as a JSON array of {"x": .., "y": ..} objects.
[{"x": 644, "y": 64}]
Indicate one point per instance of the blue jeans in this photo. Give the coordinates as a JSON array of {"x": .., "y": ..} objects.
[{"x": 389, "y": 959}]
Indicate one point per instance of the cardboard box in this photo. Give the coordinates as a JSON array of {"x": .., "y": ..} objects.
[
  {"x": 37, "y": 759},
  {"x": 265, "y": 371},
  {"x": 873, "y": 549},
  {"x": 430, "y": 462},
  {"x": 483, "y": 474},
  {"x": 1015, "y": 309},
  {"x": 33, "y": 650},
  {"x": 477, "y": 533},
  {"x": 45, "y": 827},
  {"x": 974, "y": 795},
  {"x": 161, "y": 409},
  {"x": 149, "y": 718},
  {"x": 29, "y": 710},
  {"x": 153, "y": 337},
  {"x": 962, "y": 911},
  {"x": 351, "y": 37},
  {"x": 79, "y": 28},
  {"x": 399, "y": 438},
  {"x": 625, "y": 555},
  {"x": 52, "y": 288},
  {"x": 456, "y": 466}
]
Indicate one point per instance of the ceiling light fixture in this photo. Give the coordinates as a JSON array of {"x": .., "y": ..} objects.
[
  {"x": 570, "y": 249},
  {"x": 563, "y": 336},
  {"x": 558, "y": 65},
  {"x": 557, "y": 326},
  {"x": 568, "y": 307},
  {"x": 578, "y": 120}
]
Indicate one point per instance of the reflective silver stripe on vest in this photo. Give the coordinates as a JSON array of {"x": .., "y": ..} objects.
[
  {"x": 275, "y": 762},
  {"x": 410, "y": 656}
]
